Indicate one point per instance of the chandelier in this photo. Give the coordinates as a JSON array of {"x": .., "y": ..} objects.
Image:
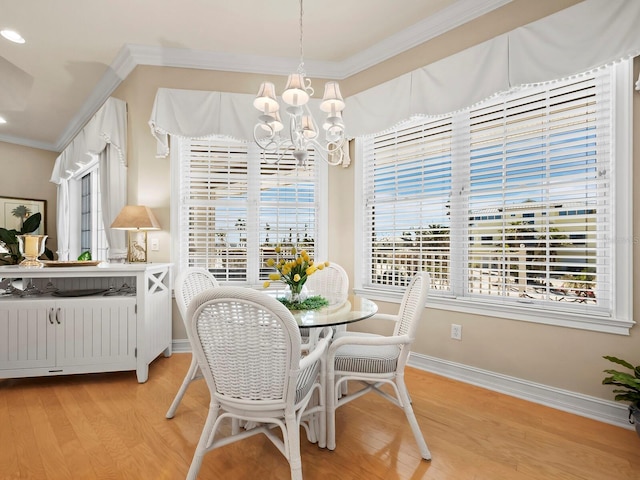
[{"x": 303, "y": 129}]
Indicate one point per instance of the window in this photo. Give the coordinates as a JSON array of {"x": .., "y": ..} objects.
[
  {"x": 233, "y": 208},
  {"x": 510, "y": 204},
  {"x": 86, "y": 214}
]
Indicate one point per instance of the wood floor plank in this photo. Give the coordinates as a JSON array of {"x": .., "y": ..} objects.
[{"x": 109, "y": 427}]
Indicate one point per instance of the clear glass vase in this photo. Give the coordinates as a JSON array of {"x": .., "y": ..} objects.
[{"x": 296, "y": 293}]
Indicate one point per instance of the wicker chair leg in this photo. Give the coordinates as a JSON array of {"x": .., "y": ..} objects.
[
  {"x": 292, "y": 446},
  {"x": 331, "y": 411},
  {"x": 192, "y": 374},
  {"x": 411, "y": 417},
  {"x": 203, "y": 444}
]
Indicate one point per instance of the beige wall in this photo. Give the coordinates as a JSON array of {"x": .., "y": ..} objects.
[
  {"x": 25, "y": 174},
  {"x": 556, "y": 356}
]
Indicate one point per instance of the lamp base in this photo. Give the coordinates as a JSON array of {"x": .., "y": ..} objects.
[{"x": 137, "y": 251}]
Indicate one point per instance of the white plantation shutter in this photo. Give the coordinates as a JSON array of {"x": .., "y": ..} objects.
[
  {"x": 518, "y": 202},
  {"x": 539, "y": 195},
  {"x": 234, "y": 207},
  {"x": 287, "y": 208},
  {"x": 407, "y": 190},
  {"x": 213, "y": 208}
]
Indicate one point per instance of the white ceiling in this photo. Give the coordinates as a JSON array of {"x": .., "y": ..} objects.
[{"x": 78, "y": 51}]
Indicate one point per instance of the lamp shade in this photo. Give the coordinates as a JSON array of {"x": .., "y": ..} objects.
[
  {"x": 136, "y": 217},
  {"x": 332, "y": 100},
  {"x": 266, "y": 101},
  {"x": 295, "y": 93}
]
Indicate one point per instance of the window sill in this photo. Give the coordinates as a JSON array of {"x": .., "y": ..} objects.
[{"x": 511, "y": 312}]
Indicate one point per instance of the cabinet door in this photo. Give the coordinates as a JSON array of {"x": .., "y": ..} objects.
[
  {"x": 96, "y": 331},
  {"x": 27, "y": 335}
]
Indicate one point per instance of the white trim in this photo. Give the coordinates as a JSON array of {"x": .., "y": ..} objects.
[
  {"x": 181, "y": 345},
  {"x": 174, "y": 211},
  {"x": 447, "y": 19},
  {"x": 584, "y": 405},
  {"x": 509, "y": 312},
  {"x": 322, "y": 200},
  {"x": 622, "y": 102},
  {"x": 358, "y": 215},
  {"x": 130, "y": 56}
]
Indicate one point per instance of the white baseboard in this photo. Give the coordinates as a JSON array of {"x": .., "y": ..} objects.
[
  {"x": 579, "y": 404},
  {"x": 565, "y": 400},
  {"x": 181, "y": 345}
]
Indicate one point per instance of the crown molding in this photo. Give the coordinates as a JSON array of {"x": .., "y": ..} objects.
[
  {"x": 447, "y": 19},
  {"x": 131, "y": 56},
  {"x": 26, "y": 142},
  {"x": 120, "y": 69}
]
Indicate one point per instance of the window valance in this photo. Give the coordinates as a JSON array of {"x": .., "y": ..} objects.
[
  {"x": 197, "y": 114},
  {"x": 102, "y": 140},
  {"x": 582, "y": 37},
  {"x": 107, "y": 127}
]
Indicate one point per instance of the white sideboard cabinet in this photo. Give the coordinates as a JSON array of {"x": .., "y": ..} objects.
[{"x": 105, "y": 318}]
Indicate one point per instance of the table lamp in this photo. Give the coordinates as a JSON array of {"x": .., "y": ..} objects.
[{"x": 137, "y": 219}]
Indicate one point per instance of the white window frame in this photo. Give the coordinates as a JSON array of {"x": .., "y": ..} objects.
[
  {"x": 98, "y": 237},
  {"x": 253, "y": 262},
  {"x": 619, "y": 319}
]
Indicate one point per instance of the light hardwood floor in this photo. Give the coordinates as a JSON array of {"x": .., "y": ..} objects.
[{"x": 107, "y": 426}]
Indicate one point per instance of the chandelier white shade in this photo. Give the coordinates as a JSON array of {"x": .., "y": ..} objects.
[{"x": 304, "y": 133}]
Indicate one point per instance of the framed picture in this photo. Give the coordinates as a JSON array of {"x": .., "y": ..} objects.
[{"x": 14, "y": 211}]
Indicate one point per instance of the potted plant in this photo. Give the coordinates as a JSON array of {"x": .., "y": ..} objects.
[
  {"x": 9, "y": 240},
  {"x": 631, "y": 388}
]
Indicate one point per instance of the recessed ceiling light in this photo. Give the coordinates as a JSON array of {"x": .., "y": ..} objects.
[
  {"x": 2, "y": 120},
  {"x": 12, "y": 35}
]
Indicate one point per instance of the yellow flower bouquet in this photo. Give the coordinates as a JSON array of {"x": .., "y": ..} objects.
[{"x": 294, "y": 272}]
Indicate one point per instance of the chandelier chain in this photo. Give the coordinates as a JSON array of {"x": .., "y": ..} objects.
[
  {"x": 326, "y": 140},
  {"x": 301, "y": 66}
]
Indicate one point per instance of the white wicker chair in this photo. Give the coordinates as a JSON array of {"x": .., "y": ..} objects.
[
  {"x": 189, "y": 283},
  {"x": 331, "y": 282},
  {"x": 248, "y": 347},
  {"x": 376, "y": 360}
]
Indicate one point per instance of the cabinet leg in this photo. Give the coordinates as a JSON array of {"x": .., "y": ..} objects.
[
  {"x": 142, "y": 372},
  {"x": 167, "y": 351}
]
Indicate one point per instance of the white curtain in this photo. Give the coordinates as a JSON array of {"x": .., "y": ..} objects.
[
  {"x": 580, "y": 38},
  {"x": 103, "y": 137},
  {"x": 198, "y": 114}
]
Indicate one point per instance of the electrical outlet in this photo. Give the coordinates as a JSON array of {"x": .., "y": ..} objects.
[
  {"x": 456, "y": 331},
  {"x": 155, "y": 244}
]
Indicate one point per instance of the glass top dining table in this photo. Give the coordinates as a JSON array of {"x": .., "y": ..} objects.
[{"x": 354, "y": 309}]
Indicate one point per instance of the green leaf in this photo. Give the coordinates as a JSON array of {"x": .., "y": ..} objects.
[
  {"x": 311, "y": 303},
  {"x": 622, "y": 379},
  {"x": 619, "y": 362},
  {"x": 7, "y": 237},
  {"x": 32, "y": 223}
]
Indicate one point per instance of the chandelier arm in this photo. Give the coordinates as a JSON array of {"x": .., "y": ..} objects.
[
  {"x": 271, "y": 144},
  {"x": 325, "y": 152}
]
